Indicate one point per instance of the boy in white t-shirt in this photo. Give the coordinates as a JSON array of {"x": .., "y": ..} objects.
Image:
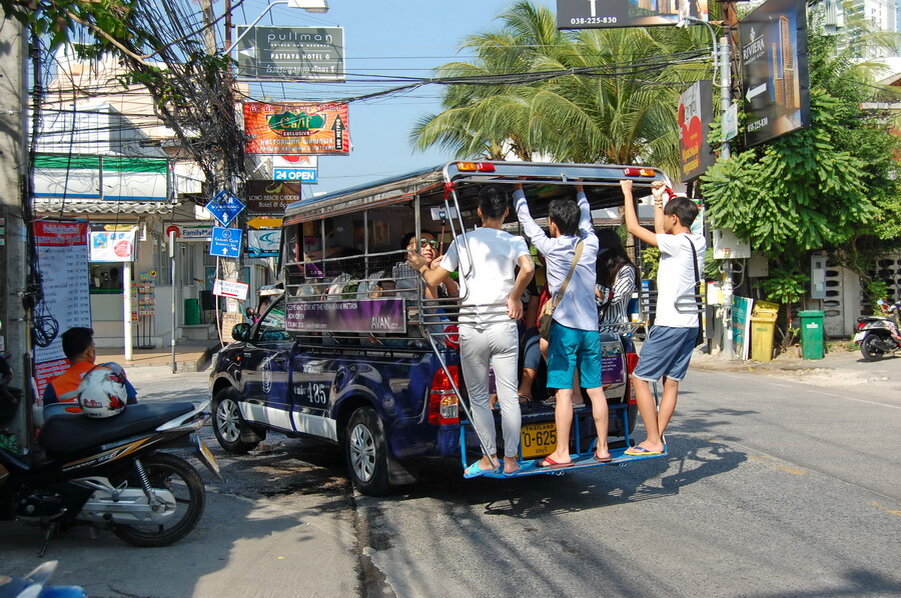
[
  {"x": 490, "y": 291},
  {"x": 670, "y": 342}
]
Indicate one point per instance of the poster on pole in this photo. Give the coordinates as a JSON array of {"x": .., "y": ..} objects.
[
  {"x": 603, "y": 14},
  {"x": 297, "y": 128},
  {"x": 62, "y": 249},
  {"x": 694, "y": 115},
  {"x": 291, "y": 53},
  {"x": 776, "y": 83},
  {"x": 113, "y": 246},
  {"x": 741, "y": 326}
]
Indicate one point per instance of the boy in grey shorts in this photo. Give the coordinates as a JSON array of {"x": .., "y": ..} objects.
[{"x": 670, "y": 342}]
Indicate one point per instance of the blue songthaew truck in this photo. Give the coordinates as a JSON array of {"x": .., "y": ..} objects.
[{"x": 353, "y": 351}]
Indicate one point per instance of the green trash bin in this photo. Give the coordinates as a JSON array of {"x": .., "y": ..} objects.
[
  {"x": 192, "y": 312},
  {"x": 812, "y": 336}
]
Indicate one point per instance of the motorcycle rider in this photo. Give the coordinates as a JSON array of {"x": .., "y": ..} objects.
[{"x": 61, "y": 394}]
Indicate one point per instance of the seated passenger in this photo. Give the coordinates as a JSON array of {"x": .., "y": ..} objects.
[{"x": 408, "y": 280}]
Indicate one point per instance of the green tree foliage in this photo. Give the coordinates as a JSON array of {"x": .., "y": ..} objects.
[
  {"x": 826, "y": 186},
  {"x": 616, "y": 107}
]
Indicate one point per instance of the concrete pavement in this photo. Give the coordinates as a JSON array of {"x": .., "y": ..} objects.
[{"x": 189, "y": 357}]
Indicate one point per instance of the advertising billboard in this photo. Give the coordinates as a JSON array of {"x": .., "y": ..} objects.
[
  {"x": 297, "y": 128},
  {"x": 775, "y": 90},
  {"x": 291, "y": 53},
  {"x": 694, "y": 116},
  {"x": 601, "y": 14},
  {"x": 270, "y": 197}
]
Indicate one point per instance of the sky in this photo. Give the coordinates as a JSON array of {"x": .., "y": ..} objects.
[{"x": 386, "y": 37}]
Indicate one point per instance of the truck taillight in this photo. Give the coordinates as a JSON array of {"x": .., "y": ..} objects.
[
  {"x": 631, "y": 362},
  {"x": 639, "y": 172},
  {"x": 444, "y": 407},
  {"x": 475, "y": 166}
]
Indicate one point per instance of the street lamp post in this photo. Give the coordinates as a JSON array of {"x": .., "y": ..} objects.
[{"x": 314, "y": 6}]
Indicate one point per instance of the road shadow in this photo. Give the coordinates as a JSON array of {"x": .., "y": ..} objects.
[{"x": 106, "y": 566}]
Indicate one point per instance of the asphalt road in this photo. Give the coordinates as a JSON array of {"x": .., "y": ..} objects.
[{"x": 773, "y": 488}]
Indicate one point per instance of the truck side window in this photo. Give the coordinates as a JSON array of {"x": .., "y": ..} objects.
[{"x": 272, "y": 326}]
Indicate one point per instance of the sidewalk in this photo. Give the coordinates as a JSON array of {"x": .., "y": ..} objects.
[
  {"x": 189, "y": 357},
  {"x": 842, "y": 368}
]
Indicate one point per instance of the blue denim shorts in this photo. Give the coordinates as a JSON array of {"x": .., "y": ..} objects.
[
  {"x": 666, "y": 352},
  {"x": 569, "y": 348}
]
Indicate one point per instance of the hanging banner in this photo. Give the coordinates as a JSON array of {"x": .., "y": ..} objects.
[
  {"x": 694, "y": 115},
  {"x": 230, "y": 288},
  {"x": 776, "y": 89},
  {"x": 113, "y": 246},
  {"x": 296, "y": 128},
  {"x": 602, "y": 14},
  {"x": 270, "y": 197},
  {"x": 62, "y": 249}
]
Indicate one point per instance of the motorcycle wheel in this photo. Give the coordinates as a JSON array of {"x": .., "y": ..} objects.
[
  {"x": 181, "y": 479},
  {"x": 868, "y": 348}
]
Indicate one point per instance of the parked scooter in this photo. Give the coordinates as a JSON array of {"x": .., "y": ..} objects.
[
  {"x": 34, "y": 585},
  {"x": 112, "y": 472},
  {"x": 879, "y": 336}
]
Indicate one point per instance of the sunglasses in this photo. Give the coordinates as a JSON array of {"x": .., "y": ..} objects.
[{"x": 428, "y": 243}]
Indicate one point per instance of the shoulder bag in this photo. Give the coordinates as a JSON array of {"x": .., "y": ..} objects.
[
  {"x": 545, "y": 316},
  {"x": 699, "y": 340}
]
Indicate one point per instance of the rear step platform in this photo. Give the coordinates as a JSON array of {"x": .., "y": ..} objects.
[{"x": 582, "y": 461}]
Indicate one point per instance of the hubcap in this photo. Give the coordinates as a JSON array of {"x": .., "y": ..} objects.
[
  {"x": 362, "y": 452},
  {"x": 228, "y": 420}
]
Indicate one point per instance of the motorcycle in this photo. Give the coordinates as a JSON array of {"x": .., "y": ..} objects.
[
  {"x": 34, "y": 585},
  {"x": 879, "y": 335},
  {"x": 112, "y": 472}
]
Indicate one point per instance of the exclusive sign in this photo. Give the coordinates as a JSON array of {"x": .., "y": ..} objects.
[
  {"x": 695, "y": 113},
  {"x": 297, "y": 128},
  {"x": 601, "y": 14},
  {"x": 367, "y": 315},
  {"x": 776, "y": 89},
  {"x": 270, "y": 197}
]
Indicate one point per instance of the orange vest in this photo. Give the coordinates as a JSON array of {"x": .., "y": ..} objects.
[{"x": 65, "y": 386}]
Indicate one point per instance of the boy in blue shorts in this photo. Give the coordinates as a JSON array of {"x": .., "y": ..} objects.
[
  {"x": 574, "y": 341},
  {"x": 671, "y": 340}
]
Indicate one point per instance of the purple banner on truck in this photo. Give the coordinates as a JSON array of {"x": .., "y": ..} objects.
[
  {"x": 368, "y": 315},
  {"x": 613, "y": 363}
]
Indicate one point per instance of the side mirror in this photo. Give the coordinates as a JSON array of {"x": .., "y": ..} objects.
[{"x": 241, "y": 332}]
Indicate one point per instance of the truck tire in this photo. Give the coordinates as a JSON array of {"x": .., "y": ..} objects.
[
  {"x": 367, "y": 452},
  {"x": 232, "y": 432}
]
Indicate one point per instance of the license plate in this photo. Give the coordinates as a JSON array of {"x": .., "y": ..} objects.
[
  {"x": 538, "y": 440},
  {"x": 859, "y": 336},
  {"x": 207, "y": 457}
]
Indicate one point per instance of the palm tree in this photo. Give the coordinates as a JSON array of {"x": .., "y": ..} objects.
[{"x": 622, "y": 110}]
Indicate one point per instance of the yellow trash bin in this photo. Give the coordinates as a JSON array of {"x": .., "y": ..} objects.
[{"x": 763, "y": 329}]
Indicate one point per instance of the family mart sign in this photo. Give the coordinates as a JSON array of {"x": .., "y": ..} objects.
[{"x": 190, "y": 232}]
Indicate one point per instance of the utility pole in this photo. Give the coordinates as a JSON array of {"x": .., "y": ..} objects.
[
  {"x": 13, "y": 233},
  {"x": 230, "y": 267}
]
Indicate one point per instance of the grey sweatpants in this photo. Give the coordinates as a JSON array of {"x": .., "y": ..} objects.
[{"x": 497, "y": 345}]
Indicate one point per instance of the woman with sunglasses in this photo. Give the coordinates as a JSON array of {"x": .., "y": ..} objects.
[{"x": 407, "y": 279}]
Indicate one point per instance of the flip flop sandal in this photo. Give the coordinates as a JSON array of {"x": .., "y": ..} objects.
[
  {"x": 475, "y": 470},
  {"x": 602, "y": 460},
  {"x": 549, "y": 463},
  {"x": 640, "y": 451}
]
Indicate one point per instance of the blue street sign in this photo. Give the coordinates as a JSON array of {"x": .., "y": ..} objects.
[
  {"x": 224, "y": 207},
  {"x": 303, "y": 175},
  {"x": 226, "y": 242}
]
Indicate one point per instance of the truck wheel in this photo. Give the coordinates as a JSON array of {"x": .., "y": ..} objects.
[
  {"x": 232, "y": 432},
  {"x": 869, "y": 349},
  {"x": 366, "y": 452}
]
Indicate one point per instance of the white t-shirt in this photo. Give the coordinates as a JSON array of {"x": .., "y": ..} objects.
[
  {"x": 486, "y": 284},
  {"x": 676, "y": 305}
]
